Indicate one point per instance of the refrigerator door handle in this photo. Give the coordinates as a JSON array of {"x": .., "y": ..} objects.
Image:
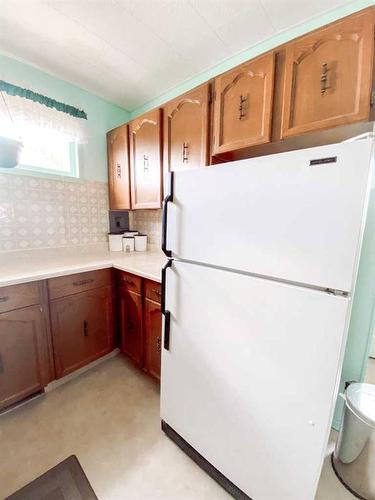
[
  {"x": 167, "y": 199},
  {"x": 165, "y": 313}
]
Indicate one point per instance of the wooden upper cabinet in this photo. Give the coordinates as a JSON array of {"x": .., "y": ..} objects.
[
  {"x": 186, "y": 122},
  {"x": 118, "y": 169},
  {"x": 146, "y": 160},
  {"x": 328, "y": 76},
  {"x": 243, "y": 105}
]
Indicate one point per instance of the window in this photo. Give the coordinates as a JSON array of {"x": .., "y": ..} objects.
[
  {"x": 49, "y": 131},
  {"x": 48, "y": 151}
]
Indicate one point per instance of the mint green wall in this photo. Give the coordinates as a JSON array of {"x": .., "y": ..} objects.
[
  {"x": 254, "y": 51},
  {"x": 102, "y": 115},
  {"x": 363, "y": 309}
]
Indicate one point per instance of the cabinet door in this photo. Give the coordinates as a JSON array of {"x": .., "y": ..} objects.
[
  {"x": 118, "y": 169},
  {"x": 152, "y": 340},
  {"x": 82, "y": 328},
  {"x": 131, "y": 324},
  {"x": 146, "y": 160},
  {"x": 328, "y": 76},
  {"x": 243, "y": 105},
  {"x": 186, "y": 121},
  {"x": 23, "y": 354}
]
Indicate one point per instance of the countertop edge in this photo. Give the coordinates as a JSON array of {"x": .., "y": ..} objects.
[{"x": 39, "y": 276}]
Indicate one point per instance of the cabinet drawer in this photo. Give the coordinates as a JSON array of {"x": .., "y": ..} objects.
[
  {"x": 130, "y": 281},
  {"x": 16, "y": 296},
  {"x": 153, "y": 290},
  {"x": 80, "y": 282}
]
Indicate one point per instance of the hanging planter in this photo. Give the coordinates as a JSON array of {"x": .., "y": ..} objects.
[{"x": 10, "y": 150}]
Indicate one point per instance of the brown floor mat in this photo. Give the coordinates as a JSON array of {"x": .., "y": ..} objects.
[{"x": 65, "y": 481}]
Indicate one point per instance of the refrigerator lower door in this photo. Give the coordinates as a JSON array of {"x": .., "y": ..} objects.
[
  {"x": 251, "y": 375},
  {"x": 296, "y": 216}
]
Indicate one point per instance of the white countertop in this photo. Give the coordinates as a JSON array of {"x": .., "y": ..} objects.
[{"x": 30, "y": 265}]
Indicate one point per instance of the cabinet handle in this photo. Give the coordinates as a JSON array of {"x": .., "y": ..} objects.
[
  {"x": 83, "y": 282},
  {"x": 185, "y": 152},
  {"x": 1, "y": 364},
  {"x": 167, "y": 199},
  {"x": 130, "y": 326},
  {"x": 158, "y": 344},
  {"x": 145, "y": 162},
  {"x": 165, "y": 313},
  {"x": 324, "y": 79},
  {"x": 241, "y": 107},
  {"x": 156, "y": 290},
  {"x": 85, "y": 328},
  {"x": 128, "y": 280},
  {"x": 4, "y": 299},
  {"x": 118, "y": 171}
]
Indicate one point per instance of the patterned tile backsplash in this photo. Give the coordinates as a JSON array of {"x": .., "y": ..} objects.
[
  {"x": 148, "y": 222},
  {"x": 40, "y": 213}
]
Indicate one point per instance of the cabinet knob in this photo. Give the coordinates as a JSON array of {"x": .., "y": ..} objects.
[
  {"x": 185, "y": 152},
  {"x": 4, "y": 299},
  {"x": 324, "y": 79},
  {"x": 118, "y": 171},
  {"x": 83, "y": 282},
  {"x": 145, "y": 162},
  {"x": 85, "y": 328},
  {"x": 241, "y": 107},
  {"x": 156, "y": 290}
]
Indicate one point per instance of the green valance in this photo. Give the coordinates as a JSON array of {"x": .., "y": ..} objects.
[{"x": 41, "y": 99}]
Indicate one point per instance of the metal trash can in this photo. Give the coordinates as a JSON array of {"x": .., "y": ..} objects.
[{"x": 354, "y": 457}]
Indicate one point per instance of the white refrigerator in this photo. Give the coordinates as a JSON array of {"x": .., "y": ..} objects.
[{"x": 256, "y": 301}]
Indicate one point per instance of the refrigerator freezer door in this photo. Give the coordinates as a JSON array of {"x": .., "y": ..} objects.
[
  {"x": 251, "y": 376},
  {"x": 277, "y": 215}
]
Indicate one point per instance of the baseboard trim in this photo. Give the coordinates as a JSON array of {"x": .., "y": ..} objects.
[
  {"x": 61, "y": 381},
  {"x": 204, "y": 464}
]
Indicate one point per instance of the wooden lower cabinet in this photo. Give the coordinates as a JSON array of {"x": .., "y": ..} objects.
[
  {"x": 130, "y": 317},
  {"x": 82, "y": 328},
  {"x": 140, "y": 321},
  {"x": 152, "y": 338},
  {"x": 24, "y": 357}
]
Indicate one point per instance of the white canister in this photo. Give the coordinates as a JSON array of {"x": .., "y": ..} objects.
[
  {"x": 128, "y": 244},
  {"x": 115, "y": 242},
  {"x": 130, "y": 234},
  {"x": 140, "y": 241}
]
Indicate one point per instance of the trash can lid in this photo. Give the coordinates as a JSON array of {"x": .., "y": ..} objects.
[{"x": 361, "y": 399}]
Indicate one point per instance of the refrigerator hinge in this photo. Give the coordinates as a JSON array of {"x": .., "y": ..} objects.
[{"x": 338, "y": 293}]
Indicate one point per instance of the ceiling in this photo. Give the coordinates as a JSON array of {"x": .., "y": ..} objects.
[{"x": 131, "y": 51}]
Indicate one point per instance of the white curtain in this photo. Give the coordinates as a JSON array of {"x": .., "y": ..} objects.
[{"x": 18, "y": 114}]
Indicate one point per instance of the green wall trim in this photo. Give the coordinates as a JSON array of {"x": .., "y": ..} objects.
[{"x": 255, "y": 50}]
